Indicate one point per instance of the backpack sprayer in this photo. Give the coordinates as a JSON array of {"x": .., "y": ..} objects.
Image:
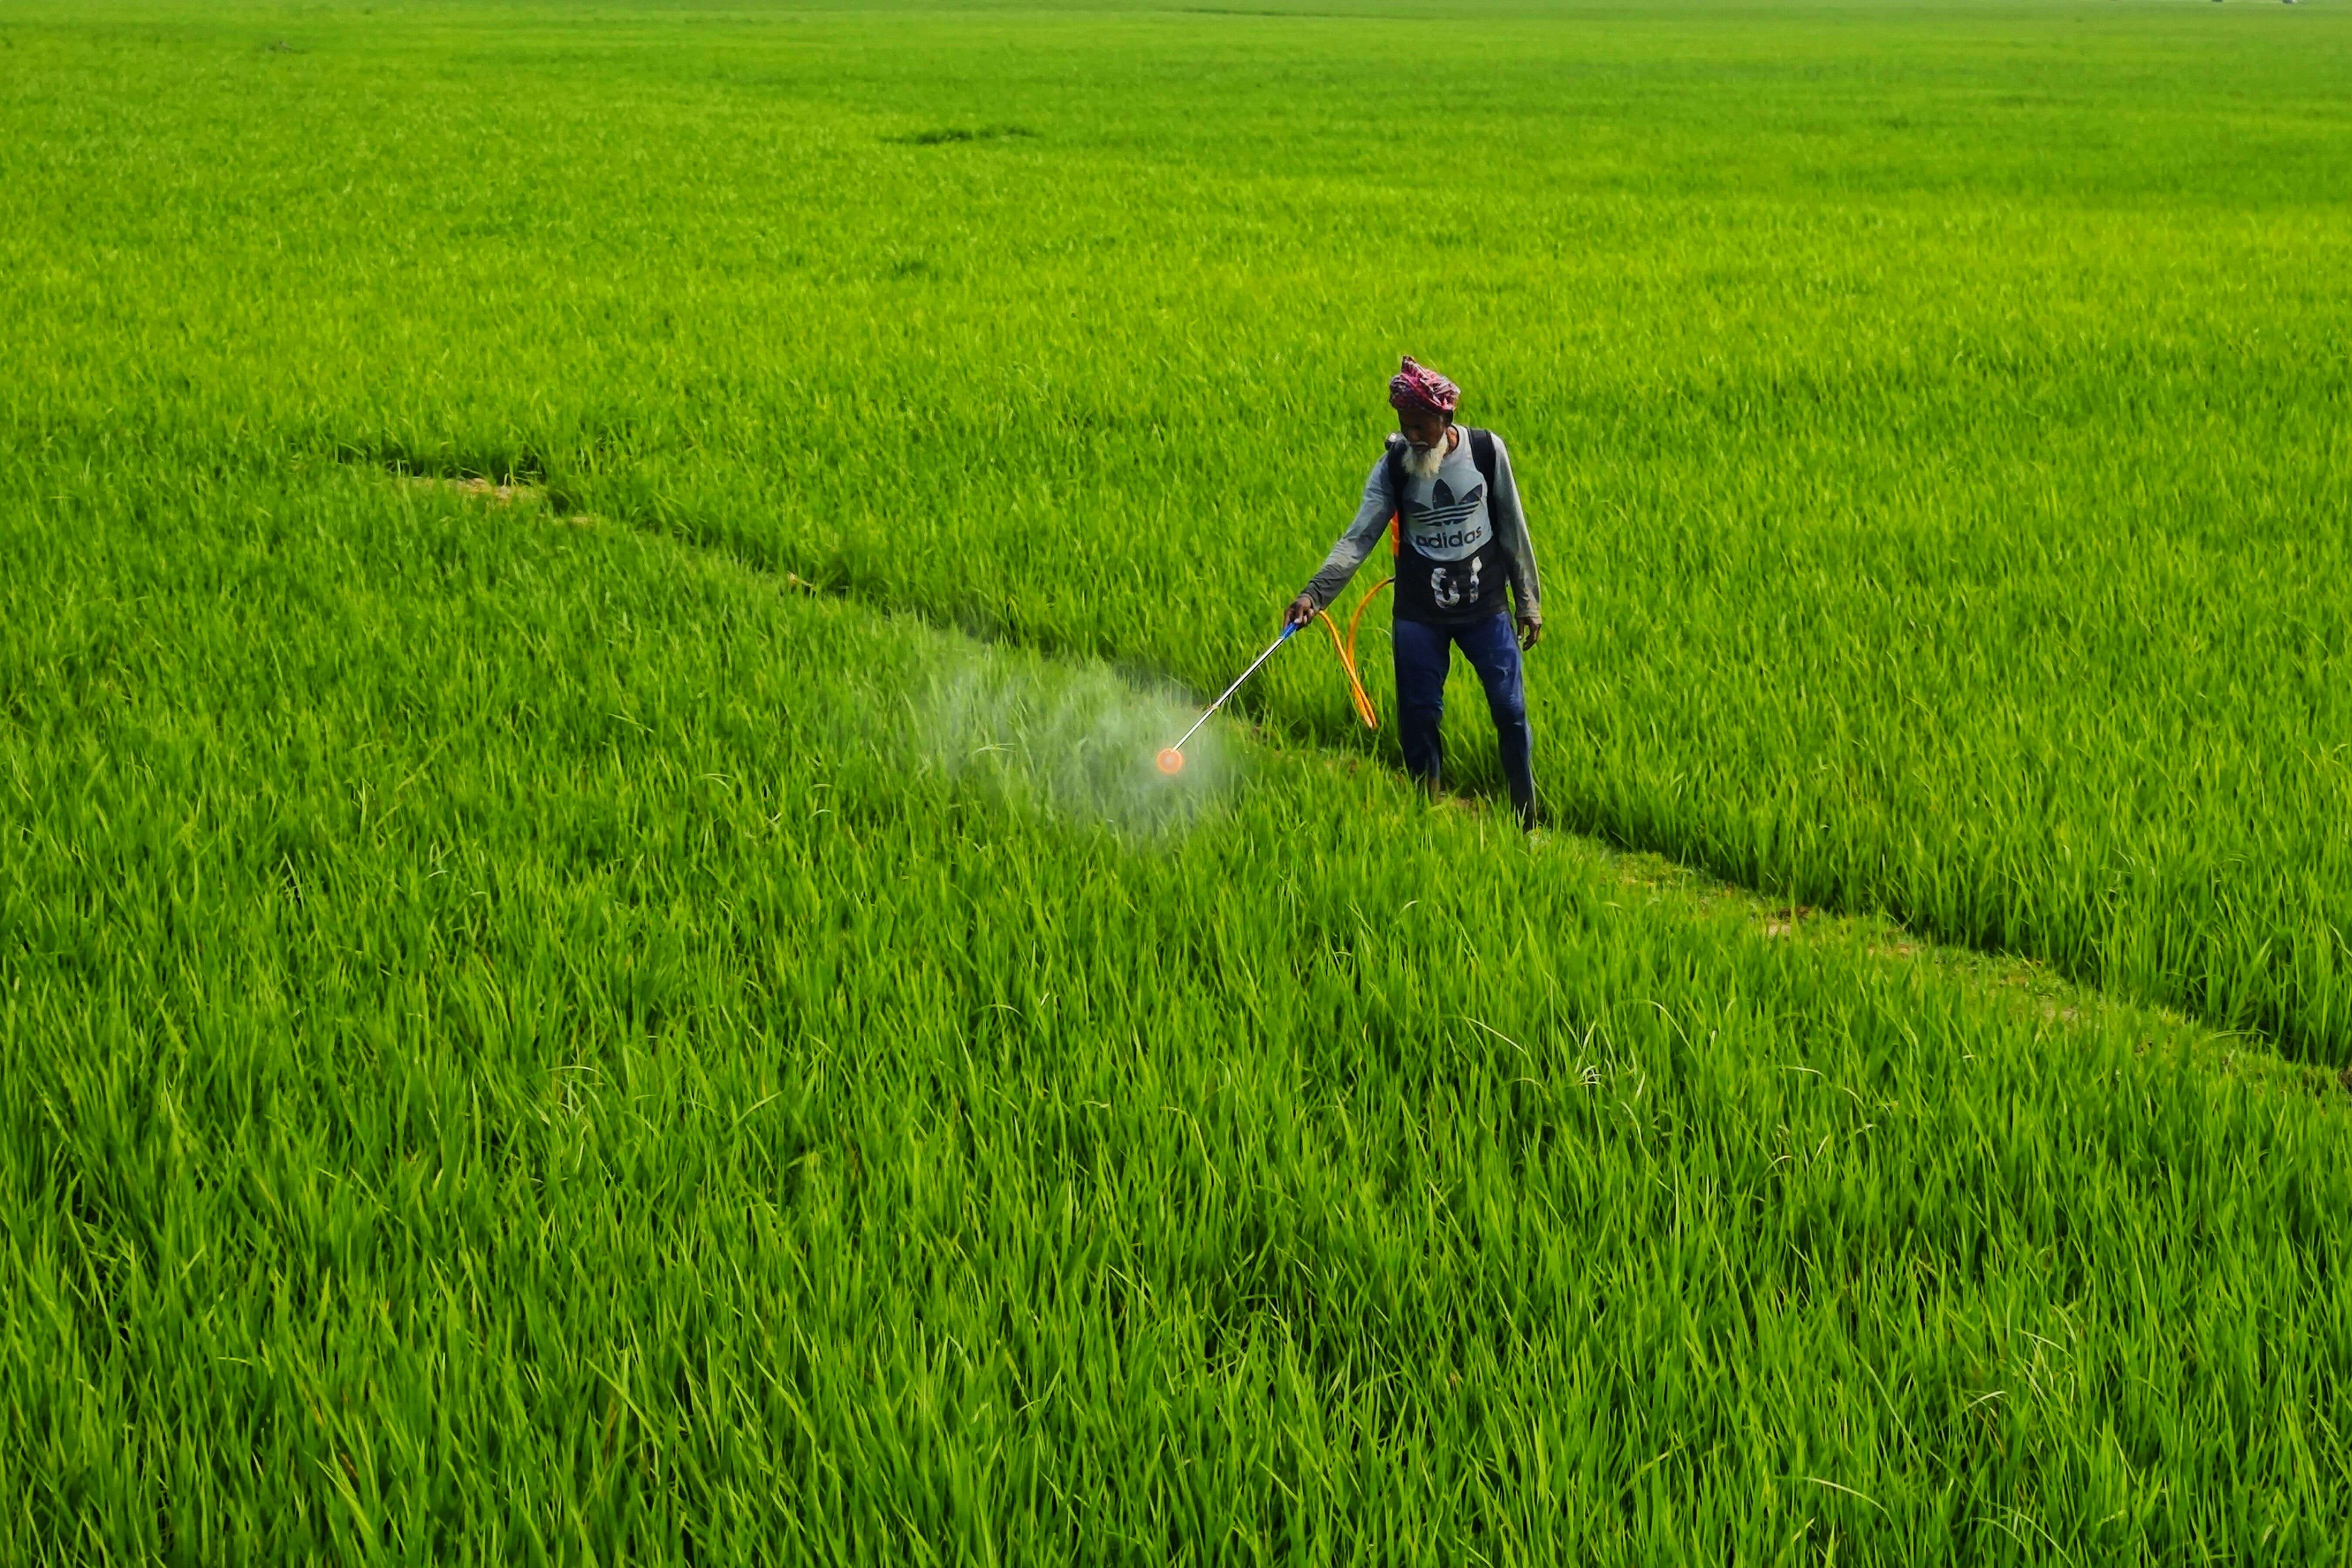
[{"x": 1172, "y": 760}]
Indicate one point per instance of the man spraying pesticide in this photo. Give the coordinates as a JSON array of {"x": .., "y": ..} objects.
[
  {"x": 1447, "y": 498},
  {"x": 1461, "y": 543}
]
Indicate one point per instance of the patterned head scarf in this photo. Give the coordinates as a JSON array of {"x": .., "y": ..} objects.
[{"x": 1418, "y": 386}]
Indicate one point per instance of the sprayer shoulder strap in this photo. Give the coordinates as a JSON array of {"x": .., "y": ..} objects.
[
  {"x": 1482, "y": 452},
  {"x": 1395, "y": 460}
]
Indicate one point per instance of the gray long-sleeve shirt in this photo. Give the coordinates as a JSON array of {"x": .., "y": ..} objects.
[{"x": 1500, "y": 511}]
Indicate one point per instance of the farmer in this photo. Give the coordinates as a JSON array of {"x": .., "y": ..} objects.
[{"x": 1461, "y": 541}]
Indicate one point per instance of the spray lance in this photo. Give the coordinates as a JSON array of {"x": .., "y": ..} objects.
[{"x": 1172, "y": 760}]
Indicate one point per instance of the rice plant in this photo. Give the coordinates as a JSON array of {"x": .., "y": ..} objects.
[{"x": 653, "y": 1008}]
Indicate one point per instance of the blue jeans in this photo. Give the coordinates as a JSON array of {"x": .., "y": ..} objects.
[{"x": 1422, "y": 656}]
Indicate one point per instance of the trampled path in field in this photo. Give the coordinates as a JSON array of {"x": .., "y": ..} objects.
[{"x": 2041, "y": 996}]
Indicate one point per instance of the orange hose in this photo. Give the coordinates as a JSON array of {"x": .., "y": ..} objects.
[{"x": 1346, "y": 651}]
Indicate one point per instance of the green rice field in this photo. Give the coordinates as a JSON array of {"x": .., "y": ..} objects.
[{"x": 592, "y": 968}]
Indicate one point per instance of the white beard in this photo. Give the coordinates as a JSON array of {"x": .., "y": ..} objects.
[{"x": 1423, "y": 463}]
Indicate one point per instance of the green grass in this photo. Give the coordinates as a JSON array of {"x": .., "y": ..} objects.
[
  {"x": 526, "y": 1035},
  {"x": 1930, "y": 415}
]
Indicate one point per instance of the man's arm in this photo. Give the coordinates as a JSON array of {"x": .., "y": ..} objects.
[
  {"x": 1511, "y": 533},
  {"x": 1371, "y": 521}
]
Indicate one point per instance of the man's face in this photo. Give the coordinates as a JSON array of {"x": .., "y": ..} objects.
[{"x": 1422, "y": 429}]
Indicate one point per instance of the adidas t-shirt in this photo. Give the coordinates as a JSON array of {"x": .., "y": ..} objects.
[{"x": 1457, "y": 528}]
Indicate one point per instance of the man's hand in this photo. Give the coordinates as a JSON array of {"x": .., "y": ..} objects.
[
  {"x": 1530, "y": 631},
  {"x": 1302, "y": 610}
]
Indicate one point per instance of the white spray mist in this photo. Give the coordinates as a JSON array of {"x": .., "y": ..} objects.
[{"x": 1079, "y": 743}]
